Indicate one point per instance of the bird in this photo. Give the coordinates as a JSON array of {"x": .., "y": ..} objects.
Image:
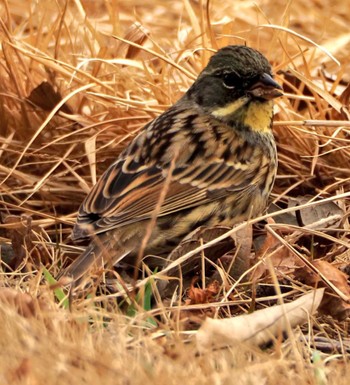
[{"x": 210, "y": 159}]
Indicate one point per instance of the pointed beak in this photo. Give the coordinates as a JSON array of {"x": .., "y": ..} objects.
[{"x": 266, "y": 88}]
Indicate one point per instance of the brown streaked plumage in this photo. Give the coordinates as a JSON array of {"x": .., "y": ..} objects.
[{"x": 214, "y": 147}]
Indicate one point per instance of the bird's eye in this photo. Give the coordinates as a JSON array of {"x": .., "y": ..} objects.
[{"x": 230, "y": 80}]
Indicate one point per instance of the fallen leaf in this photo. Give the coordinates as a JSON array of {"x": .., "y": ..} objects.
[
  {"x": 45, "y": 97},
  {"x": 193, "y": 266},
  {"x": 197, "y": 295},
  {"x": 331, "y": 303},
  {"x": 324, "y": 215},
  {"x": 260, "y": 327},
  {"x": 195, "y": 239},
  {"x": 21, "y": 233},
  {"x": 192, "y": 318},
  {"x": 285, "y": 218},
  {"x": 244, "y": 242},
  {"x": 282, "y": 259}
]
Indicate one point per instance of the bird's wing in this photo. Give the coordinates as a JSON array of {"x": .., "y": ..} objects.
[{"x": 130, "y": 189}]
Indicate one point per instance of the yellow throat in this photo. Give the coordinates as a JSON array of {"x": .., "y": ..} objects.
[{"x": 254, "y": 114}]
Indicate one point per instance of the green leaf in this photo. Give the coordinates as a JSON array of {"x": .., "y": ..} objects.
[
  {"x": 59, "y": 293},
  {"x": 145, "y": 301}
]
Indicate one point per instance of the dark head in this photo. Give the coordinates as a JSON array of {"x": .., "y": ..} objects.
[{"x": 235, "y": 77}]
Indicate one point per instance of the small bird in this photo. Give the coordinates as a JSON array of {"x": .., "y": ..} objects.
[{"x": 210, "y": 159}]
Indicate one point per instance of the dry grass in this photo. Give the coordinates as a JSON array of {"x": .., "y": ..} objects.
[{"x": 117, "y": 65}]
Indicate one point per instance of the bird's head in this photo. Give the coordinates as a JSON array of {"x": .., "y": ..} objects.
[{"x": 237, "y": 87}]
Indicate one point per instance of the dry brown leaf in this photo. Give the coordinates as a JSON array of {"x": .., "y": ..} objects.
[
  {"x": 324, "y": 215},
  {"x": 244, "y": 242},
  {"x": 237, "y": 261},
  {"x": 285, "y": 218},
  {"x": 331, "y": 304},
  {"x": 20, "y": 231},
  {"x": 192, "y": 318},
  {"x": 197, "y": 295},
  {"x": 203, "y": 234},
  {"x": 192, "y": 266},
  {"x": 45, "y": 97},
  {"x": 282, "y": 259},
  {"x": 259, "y": 327}
]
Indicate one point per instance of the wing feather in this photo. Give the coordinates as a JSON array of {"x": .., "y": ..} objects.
[{"x": 130, "y": 189}]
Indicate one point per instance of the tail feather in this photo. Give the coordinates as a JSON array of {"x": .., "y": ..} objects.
[
  {"x": 90, "y": 259},
  {"x": 94, "y": 258}
]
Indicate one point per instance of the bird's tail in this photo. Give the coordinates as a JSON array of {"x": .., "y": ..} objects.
[{"x": 93, "y": 259}]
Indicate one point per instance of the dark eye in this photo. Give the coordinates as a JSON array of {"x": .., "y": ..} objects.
[{"x": 230, "y": 80}]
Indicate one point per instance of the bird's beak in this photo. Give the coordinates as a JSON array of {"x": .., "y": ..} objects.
[{"x": 266, "y": 88}]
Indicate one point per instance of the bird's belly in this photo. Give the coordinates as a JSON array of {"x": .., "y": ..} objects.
[{"x": 227, "y": 212}]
